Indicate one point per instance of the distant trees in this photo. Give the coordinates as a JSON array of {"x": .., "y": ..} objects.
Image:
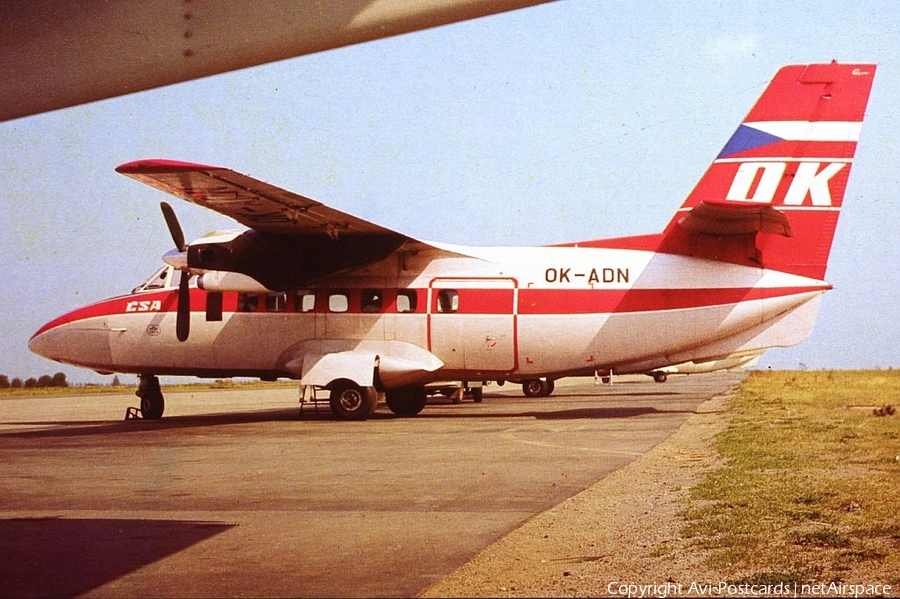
[{"x": 45, "y": 380}]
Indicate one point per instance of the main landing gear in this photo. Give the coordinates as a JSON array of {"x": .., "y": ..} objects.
[
  {"x": 152, "y": 402},
  {"x": 406, "y": 401},
  {"x": 538, "y": 387},
  {"x": 350, "y": 401}
]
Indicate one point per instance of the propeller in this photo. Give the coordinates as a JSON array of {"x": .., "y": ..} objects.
[
  {"x": 174, "y": 227},
  {"x": 183, "y": 317}
]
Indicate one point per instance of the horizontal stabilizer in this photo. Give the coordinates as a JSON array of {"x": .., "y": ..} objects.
[{"x": 731, "y": 218}]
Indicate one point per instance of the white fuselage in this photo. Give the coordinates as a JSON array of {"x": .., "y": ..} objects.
[{"x": 456, "y": 313}]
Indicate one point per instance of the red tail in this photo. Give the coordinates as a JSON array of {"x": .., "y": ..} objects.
[{"x": 773, "y": 195}]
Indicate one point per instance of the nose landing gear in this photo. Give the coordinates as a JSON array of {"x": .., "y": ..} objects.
[{"x": 152, "y": 402}]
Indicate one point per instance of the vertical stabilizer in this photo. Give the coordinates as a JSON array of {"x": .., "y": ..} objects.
[{"x": 773, "y": 195}]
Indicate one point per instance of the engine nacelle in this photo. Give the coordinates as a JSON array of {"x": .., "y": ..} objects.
[{"x": 218, "y": 281}]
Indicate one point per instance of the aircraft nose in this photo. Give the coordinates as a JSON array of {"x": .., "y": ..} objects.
[
  {"x": 39, "y": 344},
  {"x": 70, "y": 341},
  {"x": 52, "y": 343}
]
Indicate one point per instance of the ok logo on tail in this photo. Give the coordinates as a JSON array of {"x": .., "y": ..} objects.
[{"x": 760, "y": 182}]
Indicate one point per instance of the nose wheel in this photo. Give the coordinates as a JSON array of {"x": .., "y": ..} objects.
[{"x": 152, "y": 402}]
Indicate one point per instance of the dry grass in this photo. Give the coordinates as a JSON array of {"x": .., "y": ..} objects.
[{"x": 808, "y": 487}]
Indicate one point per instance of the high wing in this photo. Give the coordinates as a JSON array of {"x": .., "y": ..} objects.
[
  {"x": 253, "y": 203},
  {"x": 292, "y": 239}
]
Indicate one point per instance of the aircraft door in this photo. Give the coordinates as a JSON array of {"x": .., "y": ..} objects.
[{"x": 472, "y": 323}]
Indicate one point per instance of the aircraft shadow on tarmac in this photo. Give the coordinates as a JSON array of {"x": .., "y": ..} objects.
[
  {"x": 600, "y": 412},
  {"x": 622, "y": 394},
  {"x": 63, "y": 557},
  {"x": 442, "y": 410},
  {"x": 88, "y": 428}
]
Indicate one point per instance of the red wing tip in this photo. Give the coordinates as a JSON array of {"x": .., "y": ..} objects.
[{"x": 156, "y": 165}]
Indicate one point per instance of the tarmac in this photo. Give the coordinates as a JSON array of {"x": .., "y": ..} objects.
[{"x": 236, "y": 493}]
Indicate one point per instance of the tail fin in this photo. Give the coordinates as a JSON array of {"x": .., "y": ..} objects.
[{"x": 772, "y": 197}]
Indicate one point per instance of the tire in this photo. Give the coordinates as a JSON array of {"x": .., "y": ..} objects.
[
  {"x": 659, "y": 377},
  {"x": 477, "y": 394},
  {"x": 407, "y": 401},
  {"x": 551, "y": 385},
  {"x": 349, "y": 401},
  {"x": 536, "y": 388},
  {"x": 153, "y": 404}
]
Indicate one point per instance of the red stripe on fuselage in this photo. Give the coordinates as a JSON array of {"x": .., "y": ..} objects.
[
  {"x": 577, "y": 301},
  {"x": 484, "y": 301},
  {"x": 118, "y": 305}
]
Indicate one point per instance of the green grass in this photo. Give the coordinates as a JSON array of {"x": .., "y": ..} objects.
[{"x": 810, "y": 482}]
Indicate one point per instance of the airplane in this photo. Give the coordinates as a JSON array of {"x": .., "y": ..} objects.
[
  {"x": 310, "y": 293},
  {"x": 731, "y": 362}
]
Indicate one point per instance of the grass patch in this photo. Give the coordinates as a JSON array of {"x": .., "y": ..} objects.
[{"x": 811, "y": 476}]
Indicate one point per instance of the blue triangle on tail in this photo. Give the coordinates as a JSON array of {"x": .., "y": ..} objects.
[{"x": 747, "y": 138}]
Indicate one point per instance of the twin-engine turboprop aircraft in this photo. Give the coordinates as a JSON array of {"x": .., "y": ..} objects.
[{"x": 312, "y": 293}]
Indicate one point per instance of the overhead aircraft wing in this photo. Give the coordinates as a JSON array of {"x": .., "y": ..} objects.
[
  {"x": 57, "y": 54},
  {"x": 292, "y": 240}
]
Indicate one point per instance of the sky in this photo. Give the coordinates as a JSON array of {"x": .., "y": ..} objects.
[{"x": 563, "y": 122}]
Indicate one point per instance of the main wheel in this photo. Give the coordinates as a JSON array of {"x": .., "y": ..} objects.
[
  {"x": 407, "y": 401},
  {"x": 349, "y": 401},
  {"x": 477, "y": 394},
  {"x": 659, "y": 377},
  {"x": 536, "y": 388}
]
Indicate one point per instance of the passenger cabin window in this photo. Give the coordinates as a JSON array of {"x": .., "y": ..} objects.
[
  {"x": 304, "y": 300},
  {"x": 248, "y": 302},
  {"x": 276, "y": 302},
  {"x": 371, "y": 301},
  {"x": 338, "y": 301},
  {"x": 447, "y": 300},
  {"x": 406, "y": 300}
]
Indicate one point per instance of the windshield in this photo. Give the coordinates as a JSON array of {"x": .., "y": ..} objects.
[{"x": 161, "y": 279}]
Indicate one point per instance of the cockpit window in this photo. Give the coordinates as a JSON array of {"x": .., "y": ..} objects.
[{"x": 162, "y": 279}]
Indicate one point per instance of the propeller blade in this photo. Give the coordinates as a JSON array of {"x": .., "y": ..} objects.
[
  {"x": 174, "y": 227},
  {"x": 183, "y": 317}
]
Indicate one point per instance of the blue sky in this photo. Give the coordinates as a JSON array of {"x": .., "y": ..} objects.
[{"x": 569, "y": 121}]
